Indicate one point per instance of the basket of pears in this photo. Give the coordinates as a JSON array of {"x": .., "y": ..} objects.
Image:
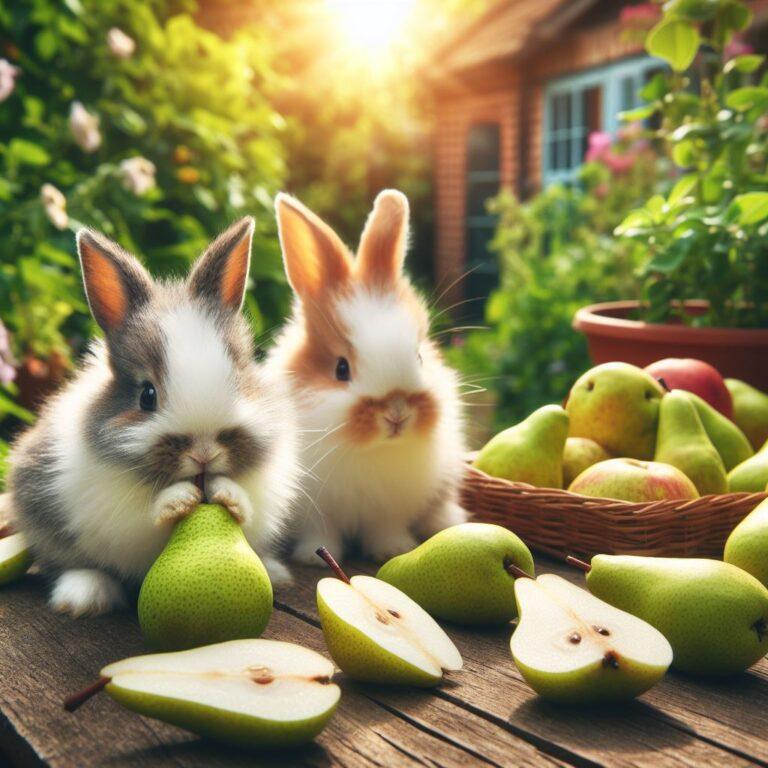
[{"x": 664, "y": 460}]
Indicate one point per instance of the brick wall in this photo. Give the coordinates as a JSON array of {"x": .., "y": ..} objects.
[{"x": 455, "y": 115}]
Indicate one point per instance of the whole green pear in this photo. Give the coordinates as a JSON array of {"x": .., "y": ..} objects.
[
  {"x": 617, "y": 406},
  {"x": 747, "y": 546},
  {"x": 206, "y": 587},
  {"x": 461, "y": 575},
  {"x": 683, "y": 443},
  {"x": 731, "y": 443},
  {"x": 714, "y": 615},
  {"x": 529, "y": 452},
  {"x": 751, "y": 475},
  {"x": 750, "y": 411},
  {"x": 580, "y": 453}
]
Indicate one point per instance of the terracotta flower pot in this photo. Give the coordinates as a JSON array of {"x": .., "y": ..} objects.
[{"x": 740, "y": 353}]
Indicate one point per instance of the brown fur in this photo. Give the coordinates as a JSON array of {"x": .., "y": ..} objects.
[{"x": 364, "y": 425}]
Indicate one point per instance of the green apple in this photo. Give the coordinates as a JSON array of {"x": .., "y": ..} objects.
[
  {"x": 634, "y": 480},
  {"x": 377, "y": 634},
  {"x": 571, "y": 647},
  {"x": 252, "y": 693},
  {"x": 462, "y": 573}
]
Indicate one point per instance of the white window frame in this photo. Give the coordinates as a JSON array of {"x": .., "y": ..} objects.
[{"x": 611, "y": 78}]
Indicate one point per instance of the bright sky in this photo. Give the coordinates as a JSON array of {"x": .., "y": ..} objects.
[{"x": 371, "y": 26}]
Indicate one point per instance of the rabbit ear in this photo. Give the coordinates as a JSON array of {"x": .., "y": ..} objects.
[
  {"x": 220, "y": 275},
  {"x": 316, "y": 261},
  {"x": 382, "y": 245},
  {"x": 115, "y": 282}
]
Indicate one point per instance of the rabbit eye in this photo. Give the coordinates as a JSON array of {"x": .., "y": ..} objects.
[
  {"x": 148, "y": 397},
  {"x": 342, "y": 369}
]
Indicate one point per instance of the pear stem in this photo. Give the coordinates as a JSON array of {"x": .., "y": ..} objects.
[
  {"x": 516, "y": 571},
  {"x": 580, "y": 564},
  {"x": 663, "y": 383},
  {"x": 71, "y": 703},
  {"x": 199, "y": 481},
  {"x": 323, "y": 553}
]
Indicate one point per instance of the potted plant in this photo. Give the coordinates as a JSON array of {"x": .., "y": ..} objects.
[{"x": 705, "y": 282}]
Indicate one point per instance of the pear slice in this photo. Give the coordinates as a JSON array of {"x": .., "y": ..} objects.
[
  {"x": 377, "y": 634},
  {"x": 255, "y": 693},
  {"x": 572, "y": 647},
  {"x": 15, "y": 558}
]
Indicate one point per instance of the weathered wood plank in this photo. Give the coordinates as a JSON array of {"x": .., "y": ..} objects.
[
  {"x": 43, "y": 657},
  {"x": 683, "y": 719}
]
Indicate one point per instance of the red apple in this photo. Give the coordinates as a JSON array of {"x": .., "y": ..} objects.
[
  {"x": 633, "y": 480},
  {"x": 694, "y": 376}
]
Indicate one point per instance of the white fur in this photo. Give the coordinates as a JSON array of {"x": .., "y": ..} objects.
[
  {"x": 112, "y": 513},
  {"x": 86, "y": 592},
  {"x": 379, "y": 492}
]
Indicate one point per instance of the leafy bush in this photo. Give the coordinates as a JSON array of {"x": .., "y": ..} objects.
[
  {"x": 160, "y": 147},
  {"x": 556, "y": 254},
  {"x": 709, "y": 237}
]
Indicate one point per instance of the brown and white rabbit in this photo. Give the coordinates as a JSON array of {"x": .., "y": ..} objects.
[
  {"x": 379, "y": 409},
  {"x": 172, "y": 391}
]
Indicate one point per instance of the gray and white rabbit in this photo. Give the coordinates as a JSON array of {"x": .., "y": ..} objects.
[{"x": 172, "y": 391}]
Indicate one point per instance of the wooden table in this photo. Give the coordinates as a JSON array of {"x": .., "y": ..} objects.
[{"x": 484, "y": 715}]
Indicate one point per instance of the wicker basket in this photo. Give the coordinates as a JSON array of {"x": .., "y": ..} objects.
[{"x": 559, "y": 523}]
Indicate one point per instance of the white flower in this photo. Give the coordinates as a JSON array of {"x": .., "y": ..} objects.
[
  {"x": 55, "y": 205},
  {"x": 84, "y": 127},
  {"x": 138, "y": 174},
  {"x": 120, "y": 45},
  {"x": 8, "y": 75}
]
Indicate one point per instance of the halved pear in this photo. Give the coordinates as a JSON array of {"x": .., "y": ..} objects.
[
  {"x": 572, "y": 647},
  {"x": 15, "y": 558},
  {"x": 256, "y": 693},
  {"x": 377, "y": 634}
]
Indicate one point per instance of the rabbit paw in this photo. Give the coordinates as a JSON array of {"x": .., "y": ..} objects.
[
  {"x": 382, "y": 546},
  {"x": 86, "y": 592},
  {"x": 440, "y": 518},
  {"x": 279, "y": 574},
  {"x": 175, "y": 502},
  {"x": 222, "y": 490}
]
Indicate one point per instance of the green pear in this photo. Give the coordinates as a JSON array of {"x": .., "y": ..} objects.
[
  {"x": 751, "y": 475},
  {"x": 714, "y": 615},
  {"x": 750, "y": 411},
  {"x": 571, "y": 647},
  {"x": 579, "y": 454},
  {"x": 377, "y": 634},
  {"x": 731, "y": 443},
  {"x": 207, "y": 586},
  {"x": 529, "y": 452},
  {"x": 461, "y": 574},
  {"x": 15, "y": 558},
  {"x": 747, "y": 546},
  {"x": 252, "y": 693},
  {"x": 683, "y": 443},
  {"x": 617, "y": 406}
]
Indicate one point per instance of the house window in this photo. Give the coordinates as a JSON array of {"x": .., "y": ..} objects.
[
  {"x": 577, "y": 105},
  {"x": 483, "y": 182}
]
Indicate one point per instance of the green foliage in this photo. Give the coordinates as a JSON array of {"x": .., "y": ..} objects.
[
  {"x": 709, "y": 237},
  {"x": 556, "y": 254},
  {"x": 194, "y": 105}
]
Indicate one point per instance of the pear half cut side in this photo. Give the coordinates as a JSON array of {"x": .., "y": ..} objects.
[
  {"x": 572, "y": 647},
  {"x": 377, "y": 634},
  {"x": 255, "y": 693},
  {"x": 15, "y": 558}
]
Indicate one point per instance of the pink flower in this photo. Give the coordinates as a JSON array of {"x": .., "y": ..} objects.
[
  {"x": 737, "y": 47},
  {"x": 138, "y": 174},
  {"x": 619, "y": 163},
  {"x": 84, "y": 127},
  {"x": 639, "y": 14},
  {"x": 55, "y": 205},
  {"x": 8, "y": 75},
  {"x": 120, "y": 45},
  {"x": 599, "y": 143},
  {"x": 7, "y": 362}
]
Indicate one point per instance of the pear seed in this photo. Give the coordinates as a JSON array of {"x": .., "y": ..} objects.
[
  {"x": 574, "y": 638},
  {"x": 393, "y": 613},
  {"x": 601, "y": 631}
]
